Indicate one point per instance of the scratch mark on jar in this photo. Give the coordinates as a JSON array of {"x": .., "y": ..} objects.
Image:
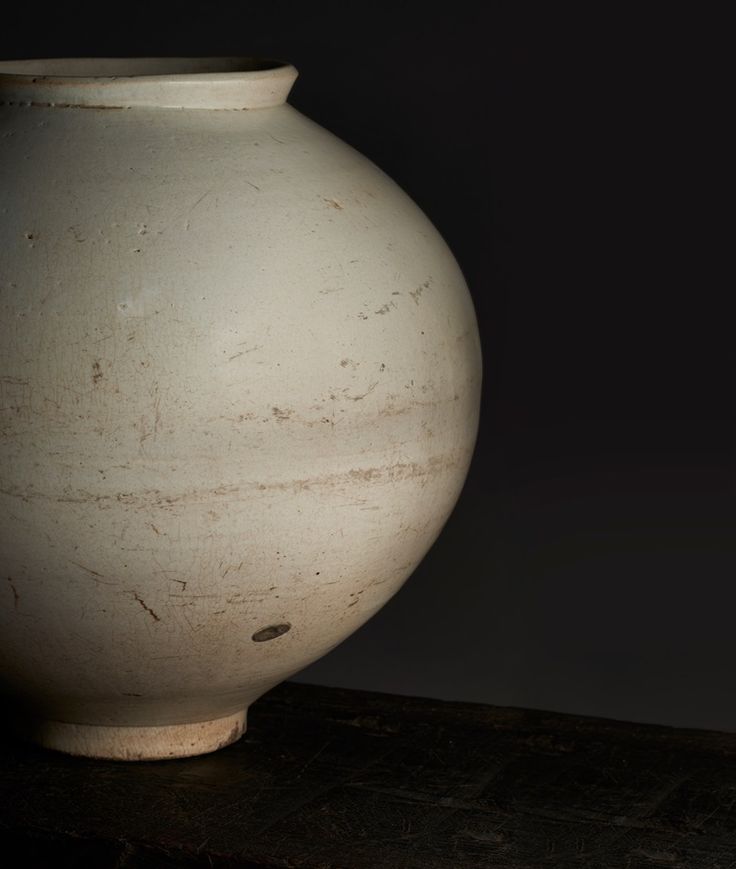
[
  {"x": 333, "y": 203},
  {"x": 271, "y": 632},
  {"x": 147, "y": 608},
  {"x": 87, "y": 569},
  {"x": 16, "y": 595},
  {"x": 363, "y": 394},
  {"x": 197, "y": 202}
]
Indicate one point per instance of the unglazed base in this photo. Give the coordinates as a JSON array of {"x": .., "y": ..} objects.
[{"x": 140, "y": 743}]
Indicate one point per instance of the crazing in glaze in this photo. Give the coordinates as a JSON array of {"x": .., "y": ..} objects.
[{"x": 239, "y": 389}]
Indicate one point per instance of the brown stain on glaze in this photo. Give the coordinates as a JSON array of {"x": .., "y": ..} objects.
[
  {"x": 148, "y": 498},
  {"x": 40, "y": 105},
  {"x": 96, "y": 372},
  {"x": 281, "y": 414},
  {"x": 416, "y": 294},
  {"x": 356, "y": 595}
]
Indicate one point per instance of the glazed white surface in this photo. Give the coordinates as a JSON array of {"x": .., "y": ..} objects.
[{"x": 239, "y": 388}]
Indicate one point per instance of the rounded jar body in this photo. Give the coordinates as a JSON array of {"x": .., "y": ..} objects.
[{"x": 239, "y": 380}]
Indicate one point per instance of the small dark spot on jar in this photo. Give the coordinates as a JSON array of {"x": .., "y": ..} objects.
[{"x": 270, "y": 633}]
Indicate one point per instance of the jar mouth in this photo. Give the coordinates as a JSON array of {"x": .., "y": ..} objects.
[
  {"x": 163, "y": 82},
  {"x": 129, "y": 67}
]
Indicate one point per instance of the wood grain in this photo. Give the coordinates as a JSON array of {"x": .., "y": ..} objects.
[{"x": 334, "y": 779}]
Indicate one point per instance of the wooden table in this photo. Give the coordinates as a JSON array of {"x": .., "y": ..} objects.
[{"x": 333, "y": 779}]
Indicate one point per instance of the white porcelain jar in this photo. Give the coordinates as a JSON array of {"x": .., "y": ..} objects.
[{"x": 239, "y": 391}]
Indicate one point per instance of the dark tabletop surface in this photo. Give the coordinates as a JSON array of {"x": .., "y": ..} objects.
[{"x": 334, "y": 779}]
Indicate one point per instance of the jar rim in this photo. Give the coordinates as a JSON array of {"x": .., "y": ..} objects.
[{"x": 163, "y": 82}]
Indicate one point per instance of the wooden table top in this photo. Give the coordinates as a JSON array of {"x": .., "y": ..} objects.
[{"x": 335, "y": 779}]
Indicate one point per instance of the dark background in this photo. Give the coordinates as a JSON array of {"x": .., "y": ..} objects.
[{"x": 569, "y": 163}]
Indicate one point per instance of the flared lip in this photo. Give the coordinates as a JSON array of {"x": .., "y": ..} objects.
[{"x": 235, "y": 83}]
